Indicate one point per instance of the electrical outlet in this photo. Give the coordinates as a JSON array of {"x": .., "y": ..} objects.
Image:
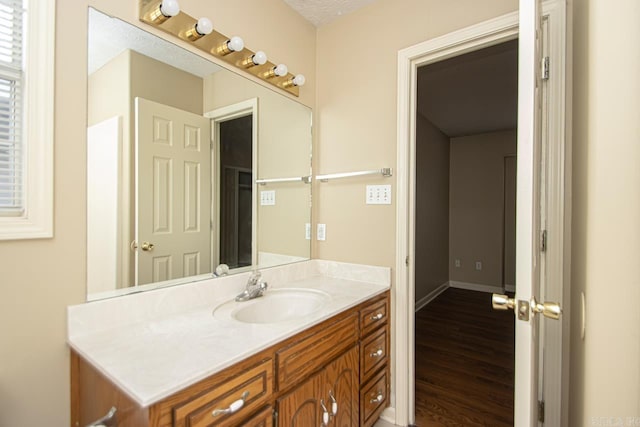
[
  {"x": 378, "y": 194},
  {"x": 322, "y": 232},
  {"x": 478, "y": 265},
  {"x": 307, "y": 231},
  {"x": 457, "y": 263},
  {"x": 268, "y": 198}
]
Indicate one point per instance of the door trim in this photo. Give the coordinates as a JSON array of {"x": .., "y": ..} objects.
[
  {"x": 484, "y": 34},
  {"x": 222, "y": 114}
]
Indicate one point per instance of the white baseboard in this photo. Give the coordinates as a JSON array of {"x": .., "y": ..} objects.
[
  {"x": 475, "y": 287},
  {"x": 431, "y": 296},
  {"x": 510, "y": 288}
]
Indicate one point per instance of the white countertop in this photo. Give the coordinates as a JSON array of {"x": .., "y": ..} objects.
[{"x": 150, "y": 359}]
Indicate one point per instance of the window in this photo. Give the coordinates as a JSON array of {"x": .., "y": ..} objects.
[{"x": 26, "y": 118}]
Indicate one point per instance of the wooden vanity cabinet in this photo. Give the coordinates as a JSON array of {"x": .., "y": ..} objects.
[
  {"x": 343, "y": 358},
  {"x": 374, "y": 359},
  {"x": 336, "y": 387}
]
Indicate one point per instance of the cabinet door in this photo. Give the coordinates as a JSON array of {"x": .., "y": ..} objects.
[
  {"x": 301, "y": 407},
  {"x": 341, "y": 389}
]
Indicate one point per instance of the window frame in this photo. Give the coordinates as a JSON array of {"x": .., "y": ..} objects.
[{"x": 36, "y": 222}]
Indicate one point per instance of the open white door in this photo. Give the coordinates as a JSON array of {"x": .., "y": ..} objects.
[
  {"x": 528, "y": 310},
  {"x": 173, "y": 193}
]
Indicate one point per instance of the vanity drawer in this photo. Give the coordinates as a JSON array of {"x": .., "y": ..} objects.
[
  {"x": 301, "y": 358},
  {"x": 374, "y": 316},
  {"x": 263, "y": 418},
  {"x": 373, "y": 353},
  {"x": 373, "y": 398},
  {"x": 255, "y": 384}
]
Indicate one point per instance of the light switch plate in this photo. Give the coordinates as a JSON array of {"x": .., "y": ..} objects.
[
  {"x": 322, "y": 232},
  {"x": 379, "y": 194},
  {"x": 268, "y": 198}
]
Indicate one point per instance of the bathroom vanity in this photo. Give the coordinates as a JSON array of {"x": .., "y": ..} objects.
[{"x": 192, "y": 367}]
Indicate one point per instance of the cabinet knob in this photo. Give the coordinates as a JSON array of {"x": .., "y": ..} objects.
[
  {"x": 233, "y": 408},
  {"x": 377, "y": 316},
  {"x": 334, "y": 403},
  {"x": 325, "y": 414},
  {"x": 109, "y": 420},
  {"x": 377, "y": 353},
  {"x": 379, "y": 398}
]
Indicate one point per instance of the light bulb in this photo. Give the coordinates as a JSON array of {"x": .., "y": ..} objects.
[
  {"x": 169, "y": 8},
  {"x": 299, "y": 80},
  {"x": 204, "y": 26},
  {"x": 280, "y": 70},
  {"x": 259, "y": 58},
  {"x": 236, "y": 44}
]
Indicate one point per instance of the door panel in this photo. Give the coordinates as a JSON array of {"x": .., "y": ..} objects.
[
  {"x": 527, "y": 213},
  {"x": 173, "y": 193},
  {"x": 301, "y": 407},
  {"x": 342, "y": 382}
]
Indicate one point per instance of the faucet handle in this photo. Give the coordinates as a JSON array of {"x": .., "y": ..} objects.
[{"x": 254, "y": 278}]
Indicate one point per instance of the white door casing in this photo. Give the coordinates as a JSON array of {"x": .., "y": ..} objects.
[
  {"x": 173, "y": 193},
  {"x": 556, "y": 336}
]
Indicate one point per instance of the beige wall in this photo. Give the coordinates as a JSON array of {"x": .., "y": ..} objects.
[
  {"x": 476, "y": 203},
  {"x": 40, "y": 278},
  {"x": 432, "y": 208},
  {"x": 356, "y": 114},
  {"x": 605, "y": 366}
]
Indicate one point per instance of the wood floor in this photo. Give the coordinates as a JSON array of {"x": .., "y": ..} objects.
[{"x": 464, "y": 362}]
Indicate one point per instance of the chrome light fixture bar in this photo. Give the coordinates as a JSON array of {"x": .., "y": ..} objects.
[
  {"x": 167, "y": 16},
  {"x": 305, "y": 179}
]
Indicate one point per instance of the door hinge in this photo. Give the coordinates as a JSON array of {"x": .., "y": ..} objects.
[
  {"x": 406, "y": 261},
  {"x": 275, "y": 417},
  {"x": 545, "y": 68},
  {"x": 541, "y": 411},
  {"x": 543, "y": 241}
]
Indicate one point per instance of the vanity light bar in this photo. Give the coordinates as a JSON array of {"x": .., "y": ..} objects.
[
  {"x": 216, "y": 44},
  {"x": 383, "y": 172},
  {"x": 305, "y": 179}
]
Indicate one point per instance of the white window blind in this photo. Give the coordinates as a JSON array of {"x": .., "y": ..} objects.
[{"x": 12, "y": 161}]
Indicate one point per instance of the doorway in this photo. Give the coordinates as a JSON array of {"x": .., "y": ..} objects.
[
  {"x": 236, "y": 191},
  {"x": 234, "y": 136},
  {"x": 554, "y": 335},
  {"x": 466, "y": 119}
]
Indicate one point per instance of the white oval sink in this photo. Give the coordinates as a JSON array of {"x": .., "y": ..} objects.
[{"x": 276, "y": 305}]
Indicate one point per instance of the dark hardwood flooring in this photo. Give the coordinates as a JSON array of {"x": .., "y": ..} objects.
[{"x": 464, "y": 362}]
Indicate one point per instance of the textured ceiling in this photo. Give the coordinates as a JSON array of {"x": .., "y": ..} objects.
[
  {"x": 473, "y": 93},
  {"x": 320, "y": 12},
  {"x": 108, "y": 37}
]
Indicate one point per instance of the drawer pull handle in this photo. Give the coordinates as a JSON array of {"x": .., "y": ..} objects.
[
  {"x": 334, "y": 403},
  {"x": 325, "y": 414},
  {"x": 379, "y": 398},
  {"x": 377, "y": 316},
  {"x": 377, "y": 353},
  {"x": 234, "y": 407},
  {"x": 109, "y": 420}
]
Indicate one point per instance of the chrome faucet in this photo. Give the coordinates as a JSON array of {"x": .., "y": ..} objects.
[{"x": 255, "y": 287}]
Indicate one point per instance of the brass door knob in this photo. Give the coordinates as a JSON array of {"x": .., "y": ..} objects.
[
  {"x": 502, "y": 302},
  {"x": 551, "y": 310},
  {"x": 146, "y": 246}
]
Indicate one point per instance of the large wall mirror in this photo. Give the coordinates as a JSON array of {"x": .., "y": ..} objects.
[{"x": 190, "y": 167}]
